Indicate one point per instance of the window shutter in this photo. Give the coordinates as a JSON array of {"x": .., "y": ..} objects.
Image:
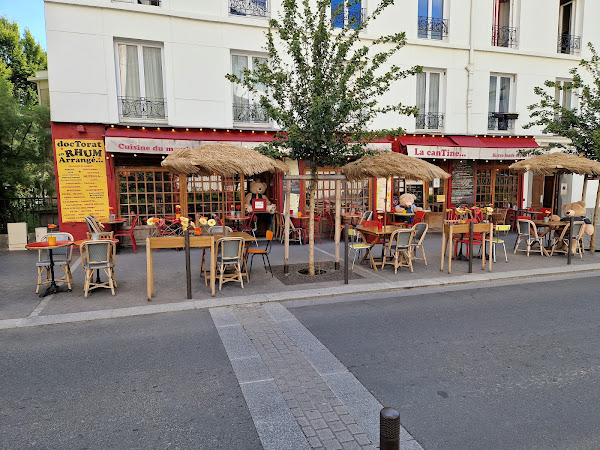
[
  {"x": 354, "y": 13},
  {"x": 337, "y": 13}
]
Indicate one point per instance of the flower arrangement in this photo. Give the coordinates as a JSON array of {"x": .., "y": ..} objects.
[
  {"x": 152, "y": 221},
  {"x": 489, "y": 210},
  {"x": 212, "y": 222},
  {"x": 186, "y": 223},
  {"x": 203, "y": 221},
  {"x": 461, "y": 211},
  {"x": 178, "y": 211}
]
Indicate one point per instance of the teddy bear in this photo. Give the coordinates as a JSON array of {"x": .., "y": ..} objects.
[
  {"x": 257, "y": 190},
  {"x": 577, "y": 211},
  {"x": 407, "y": 203}
]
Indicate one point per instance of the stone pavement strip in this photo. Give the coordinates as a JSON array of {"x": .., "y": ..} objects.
[{"x": 299, "y": 395}]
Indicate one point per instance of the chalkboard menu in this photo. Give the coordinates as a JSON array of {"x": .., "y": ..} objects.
[
  {"x": 417, "y": 191},
  {"x": 462, "y": 182}
]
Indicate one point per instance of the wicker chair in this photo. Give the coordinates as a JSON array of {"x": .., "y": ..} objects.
[
  {"x": 60, "y": 256},
  {"x": 399, "y": 250},
  {"x": 230, "y": 254},
  {"x": 98, "y": 255}
]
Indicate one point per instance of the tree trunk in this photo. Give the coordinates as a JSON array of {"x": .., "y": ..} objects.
[
  {"x": 311, "y": 223},
  {"x": 595, "y": 222}
]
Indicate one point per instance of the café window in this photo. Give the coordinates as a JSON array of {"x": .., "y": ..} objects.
[
  {"x": 149, "y": 192},
  {"x": 496, "y": 185},
  {"x": 214, "y": 195},
  {"x": 354, "y": 193},
  {"x": 140, "y": 82}
]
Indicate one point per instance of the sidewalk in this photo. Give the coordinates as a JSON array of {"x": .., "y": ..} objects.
[{"x": 20, "y": 306}]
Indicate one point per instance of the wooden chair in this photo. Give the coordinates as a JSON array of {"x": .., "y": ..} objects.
[
  {"x": 263, "y": 252},
  {"x": 417, "y": 242},
  {"x": 527, "y": 232},
  {"x": 98, "y": 255},
  {"x": 103, "y": 235},
  {"x": 560, "y": 244},
  {"x": 499, "y": 216},
  {"x": 60, "y": 256},
  {"x": 94, "y": 225},
  {"x": 230, "y": 255},
  {"x": 129, "y": 233},
  {"x": 399, "y": 249}
]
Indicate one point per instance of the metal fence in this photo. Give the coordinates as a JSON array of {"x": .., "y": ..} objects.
[{"x": 35, "y": 211}]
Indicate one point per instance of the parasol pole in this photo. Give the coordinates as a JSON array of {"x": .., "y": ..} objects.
[
  {"x": 554, "y": 194},
  {"x": 385, "y": 203},
  {"x": 584, "y": 191}
]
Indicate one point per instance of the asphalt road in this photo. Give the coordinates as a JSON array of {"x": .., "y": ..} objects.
[
  {"x": 151, "y": 382},
  {"x": 510, "y": 367}
]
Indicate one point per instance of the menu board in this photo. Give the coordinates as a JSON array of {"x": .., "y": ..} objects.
[
  {"x": 417, "y": 191},
  {"x": 462, "y": 182},
  {"x": 82, "y": 179}
]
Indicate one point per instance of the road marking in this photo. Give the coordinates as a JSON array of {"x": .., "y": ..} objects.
[{"x": 40, "y": 307}]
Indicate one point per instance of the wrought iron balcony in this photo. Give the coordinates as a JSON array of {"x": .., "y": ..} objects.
[
  {"x": 344, "y": 17},
  {"x": 141, "y": 2},
  {"x": 504, "y": 36},
  {"x": 430, "y": 121},
  {"x": 249, "y": 114},
  {"x": 256, "y": 8},
  {"x": 501, "y": 121},
  {"x": 569, "y": 44},
  {"x": 142, "y": 108},
  {"x": 429, "y": 27}
]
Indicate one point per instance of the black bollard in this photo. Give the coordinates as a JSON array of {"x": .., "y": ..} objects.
[
  {"x": 188, "y": 270},
  {"x": 346, "y": 254},
  {"x": 389, "y": 429},
  {"x": 470, "y": 247},
  {"x": 570, "y": 246}
]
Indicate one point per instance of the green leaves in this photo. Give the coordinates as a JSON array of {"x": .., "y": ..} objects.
[{"x": 324, "y": 85}]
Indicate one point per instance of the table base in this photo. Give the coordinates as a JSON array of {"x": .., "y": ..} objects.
[{"x": 53, "y": 289}]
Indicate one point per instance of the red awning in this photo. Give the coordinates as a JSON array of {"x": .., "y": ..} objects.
[
  {"x": 467, "y": 141},
  {"x": 507, "y": 142},
  {"x": 427, "y": 140}
]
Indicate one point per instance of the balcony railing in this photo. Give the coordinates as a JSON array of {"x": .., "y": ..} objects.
[
  {"x": 501, "y": 121},
  {"x": 142, "y": 108},
  {"x": 256, "y": 8},
  {"x": 569, "y": 44},
  {"x": 249, "y": 114},
  {"x": 429, "y": 27},
  {"x": 504, "y": 36},
  {"x": 342, "y": 18},
  {"x": 430, "y": 121},
  {"x": 141, "y": 2}
]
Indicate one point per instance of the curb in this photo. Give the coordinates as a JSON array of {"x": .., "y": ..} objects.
[{"x": 306, "y": 294}]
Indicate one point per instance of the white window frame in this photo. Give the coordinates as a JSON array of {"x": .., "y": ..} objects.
[
  {"x": 560, "y": 94},
  {"x": 363, "y": 7},
  {"x": 511, "y": 96},
  {"x": 445, "y": 7},
  {"x": 267, "y": 10},
  {"x": 140, "y": 45},
  {"x": 441, "y": 97},
  {"x": 252, "y": 101},
  {"x": 513, "y": 21}
]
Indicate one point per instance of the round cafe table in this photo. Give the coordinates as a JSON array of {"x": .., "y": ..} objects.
[{"x": 45, "y": 245}]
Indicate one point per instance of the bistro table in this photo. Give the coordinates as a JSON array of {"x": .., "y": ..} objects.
[
  {"x": 45, "y": 245},
  {"x": 114, "y": 224},
  {"x": 451, "y": 229},
  {"x": 378, "y": 233},
  {"x": 551, "y": 226},
  {"x": 237, "y": 219}
]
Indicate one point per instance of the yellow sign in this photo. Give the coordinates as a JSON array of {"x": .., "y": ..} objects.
[{"x": 82, "y": 179}]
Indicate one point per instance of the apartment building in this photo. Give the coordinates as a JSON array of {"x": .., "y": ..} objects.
[{"x": 146, "y": 76}]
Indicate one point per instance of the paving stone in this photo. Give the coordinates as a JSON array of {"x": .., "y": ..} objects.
[
  {"x": 330, "y": 416},
  {"x": 303, "y": 421},
  {"x": 309, "y": 431},
  {"x": 324, "y": 408},
  {"x": 347, "y": 419},
  {"x": 314, "y": 442},
  {"x": 344, "y": 436},
  {"x": 354, "y": 428},
  {"x": 337, "y": 426},
  {"x": 318, "y": 424},
  {"x": 313, "y": 414},
  {"x": 352, "y": 445},
  {"x": 362, "y": 439},
  {"x": 325, "y": 434},
  {"x": 332, "y": 444}
]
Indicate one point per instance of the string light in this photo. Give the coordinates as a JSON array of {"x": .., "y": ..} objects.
[
  {"x": 158, "y": 128},
  {"x": 143, "y": 128},
  {"x": 187, "y": 129},
  {"x": 128, "y": 127}
]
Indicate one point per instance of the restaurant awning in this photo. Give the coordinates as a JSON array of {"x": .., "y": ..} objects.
[{"x": 467, "y": 147}]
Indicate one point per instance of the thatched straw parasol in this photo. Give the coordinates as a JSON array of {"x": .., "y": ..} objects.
[
  {"x": 558, "y": 162},
  {"x": 222, "y": 159},
  {"x": 392, "y": 164}
]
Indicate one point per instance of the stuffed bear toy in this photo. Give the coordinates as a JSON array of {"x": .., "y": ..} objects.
[
  {"x": 407, "y": 203},
  {"x": 257, "y": 190},
  {"x": 577, "y": 211}
]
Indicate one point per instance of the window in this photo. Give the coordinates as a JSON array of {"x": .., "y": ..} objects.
[
  {"x": 214, "y": 194},
  {"x": 499, "y": 115},
  {"x": 147, "y": 192},
  {"x": 431, "y": 22},
  {"x": 140, "y": 82},
  {"x": 504, "y": 32},
  {"x": 141, "y": 2},
  {"x": 563, "y": 95},
  {"x": 429, "y": 88},
  {"x": 496, "y": 185},
  {"x": 246, "y": 106},
  {"x": 354, "y": 193},
  {"x": 343, "y": 14},
  {"x": 256, "y": 8},
  {"x": 568, "y": 42}
]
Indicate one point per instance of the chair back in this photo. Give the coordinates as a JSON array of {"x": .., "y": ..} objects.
[
  {"x": 219, "y": 229},
  {"x": 477, "y": 214},
  {"x": 419, "y": 216},
  {"x": 370, "y": 223},
  {"x": 578, "y": 229},
  {"x": 500, "y": 228},
  {"x": 451, "y": 214},
  {"x": 93, "y": 224},
  {"x": 269, "y": 235},
  {"x": 402, "y": 238},
  {"x": 103, "y": 235},
  {"x": 231, "y": 248},
  {"x": 420, "y": 232},
  {"x": 98, "y": 253},
  {"x": 510, "y": 214},
  {"x": 134, "y": 223},
  {"x": 317, "y": 218},
  {"x": 530, "y": 230},
  {"x": 63, "y": 253},
  {"x": 543, "y": 213}
]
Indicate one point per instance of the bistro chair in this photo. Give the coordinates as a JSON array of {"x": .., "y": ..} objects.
[
  {"x": 129, "y": 233},
  {"x": 230, "y": 256},
  {"x": 250, "y": 226},
  {"x": 329, "y": 220},
  {"x": 527, "y": 232},
  {"x": 499, "y": 217},
  {"x": 317, "y": 220},
  {"x": 60, "y": 256},
  {"x": 417, "y": 242},
  {"x": 399, "y": 249},
  {"x": 560, "y": 244},
  {"x": 98, "y": 255},
  {"x": 103, "y": 235},
  {"x": 419, "y": 216},
  {"x": 263, "y": 252},
  {"x": 511, "y": 218},
  {"x": 94, "y": 225},
  {"x": 219, "y": 229},
  {"x": 496, "y": 240},
  {"x": 356, "y": 243}
]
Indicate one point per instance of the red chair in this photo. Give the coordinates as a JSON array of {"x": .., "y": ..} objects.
[
  {"x": 511, "y": 218},
  {"x": 130, "y": 233},
  {"x": 451, "y": 214},
  {"x": 419, "y": 215},
  {"x": 250, "y": 225},
  {"x": 543, "y": 213},
  {"x": 477, "y": 214},
  {"x": 317, "y": 228}
]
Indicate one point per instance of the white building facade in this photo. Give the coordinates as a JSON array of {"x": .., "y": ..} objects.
[{"x": 146, "y": 76}]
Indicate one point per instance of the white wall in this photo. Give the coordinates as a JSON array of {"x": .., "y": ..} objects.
[{"x": 199, "y": 36}]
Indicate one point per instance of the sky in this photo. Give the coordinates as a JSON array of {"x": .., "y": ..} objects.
[{"x": 28, "y": 14}]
